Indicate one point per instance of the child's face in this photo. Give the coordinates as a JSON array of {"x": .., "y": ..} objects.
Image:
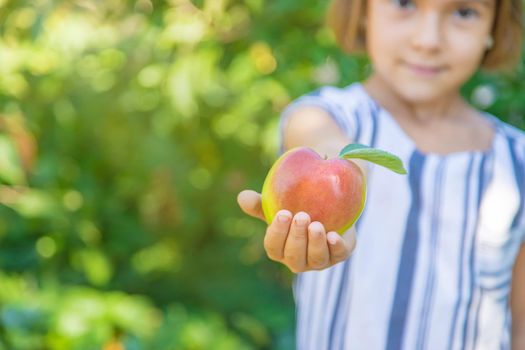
[{"x": 427, "y": 49}]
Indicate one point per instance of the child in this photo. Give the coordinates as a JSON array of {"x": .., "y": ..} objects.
[{"x": 440, "y": 259}]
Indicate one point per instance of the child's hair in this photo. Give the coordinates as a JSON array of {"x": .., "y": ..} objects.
[{"x": 347, "y": 20}]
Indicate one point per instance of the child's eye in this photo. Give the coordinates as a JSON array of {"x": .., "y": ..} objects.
[
  {"x": 404, "y": 4},
  {"x": 466, "y": 13}
]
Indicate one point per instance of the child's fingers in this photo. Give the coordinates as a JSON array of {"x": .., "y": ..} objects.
[
  {"x": 250, "y": 203},
  {"x": 296, "y": 243},
  {"x": 276, "y": 234},
  {"x": 339, "y": 248},
  {"x": 318, "y": 255}
]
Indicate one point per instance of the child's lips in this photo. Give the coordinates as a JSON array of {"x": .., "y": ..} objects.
[{"x": 424, "y": 69}]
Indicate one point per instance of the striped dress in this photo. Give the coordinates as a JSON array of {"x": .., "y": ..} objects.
[{"x": 435, "y": 249}]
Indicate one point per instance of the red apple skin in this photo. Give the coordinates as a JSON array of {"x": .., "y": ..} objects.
[{"x": 331, "y": 191}]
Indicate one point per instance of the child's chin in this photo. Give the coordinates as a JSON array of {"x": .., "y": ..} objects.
[{"x": 426, "y": 92}]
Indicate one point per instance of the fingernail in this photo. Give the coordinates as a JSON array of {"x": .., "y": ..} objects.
[
  {"x": 283, "y": 218},
  {"x": 332, "y": 240},
  {"x": 315, "y": 229},
  {"x": 301, "y": 220}
]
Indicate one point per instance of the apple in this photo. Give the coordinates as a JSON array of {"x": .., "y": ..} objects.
[{"x": 331, "y": 191}]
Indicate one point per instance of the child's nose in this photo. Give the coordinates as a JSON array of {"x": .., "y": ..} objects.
[{"x": 428, "y": 32}]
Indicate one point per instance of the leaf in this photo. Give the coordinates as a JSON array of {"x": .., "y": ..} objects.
[
  {"x": 377, "y": 156},
  {"x": 30, "y": 203},
  {"x": 96, "y": 266},
  {"x": 10, "y": 167}
]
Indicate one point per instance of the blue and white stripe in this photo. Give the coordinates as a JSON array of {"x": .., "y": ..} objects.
[{"x": 433, "y": 264}]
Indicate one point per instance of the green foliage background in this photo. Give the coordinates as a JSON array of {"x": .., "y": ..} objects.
[{"x": 127, "y": 128}]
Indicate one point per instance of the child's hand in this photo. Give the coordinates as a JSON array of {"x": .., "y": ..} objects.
[{"x": 296, "y": 242}]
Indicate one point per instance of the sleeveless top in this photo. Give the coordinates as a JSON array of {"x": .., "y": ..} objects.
[{"x": 435, "y": 248}]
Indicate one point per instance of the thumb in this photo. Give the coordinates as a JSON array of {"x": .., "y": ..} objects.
[{"x": 250, "y": 203}]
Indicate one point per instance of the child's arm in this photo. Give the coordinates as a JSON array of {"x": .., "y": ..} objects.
[
  {"x": 312, "y": 127},
  {"x": 517, "y": 302},
  {"x": 297, "y": 242}
]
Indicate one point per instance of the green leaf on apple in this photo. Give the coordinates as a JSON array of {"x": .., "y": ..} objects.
[{"x": 374, "y": 155}]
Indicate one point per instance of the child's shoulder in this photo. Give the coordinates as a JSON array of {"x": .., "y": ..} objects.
[
  {"x": 346, "y": 105},
  {"x": 513, "y": 145},
  {"x": 511, "y": 133}
]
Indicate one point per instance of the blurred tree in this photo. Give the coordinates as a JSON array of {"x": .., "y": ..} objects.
[{"x": 127, "y": 128}]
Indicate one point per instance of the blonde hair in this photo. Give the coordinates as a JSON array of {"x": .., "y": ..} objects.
[{"x": 346, "y": 19}]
